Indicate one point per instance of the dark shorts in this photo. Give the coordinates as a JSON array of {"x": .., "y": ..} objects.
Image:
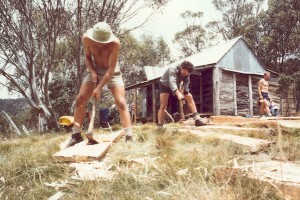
[
  {"x": 164, "y": 89},
  {"x": 265, "y": 95}
]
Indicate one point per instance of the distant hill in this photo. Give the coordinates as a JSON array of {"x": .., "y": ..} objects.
[{"x": 13, "y": 106}]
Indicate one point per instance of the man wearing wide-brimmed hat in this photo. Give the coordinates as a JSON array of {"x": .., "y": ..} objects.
[{"x": 101, "y": 49}]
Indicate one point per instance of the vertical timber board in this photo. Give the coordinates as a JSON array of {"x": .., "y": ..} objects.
[
  {"x": 234, "y": 95},
  {"x": 201, "y": 93},
  {"x": 242, "y": 94},
  {"x": 153, "y": 103},
  {"x": 250, "y": 95},
  {"x": 135, "y": 104},
  {"x": 226, "y": 93},
  {"x": 254, "y": 80},
  {"x": 216, "y": 91}
]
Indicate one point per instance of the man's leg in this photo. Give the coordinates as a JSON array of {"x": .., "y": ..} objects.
[
  {"x": 267, "y": 107},
  {"x": 83, "y": 96},
  {"x": 262, "y": 109},
  {"x": 164, "y": 97},
  {"x": 118, "y": 93},
  {"x": 192, "y": 106},
  {"x": 190, "y": 102}
]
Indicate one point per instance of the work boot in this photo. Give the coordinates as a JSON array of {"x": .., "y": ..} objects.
[
  {"x": 91, "y": 140},
  {"x": 128, "y": 138},
  {"x": 199, "y": 122},
  {"x": 76, "y": 138}
]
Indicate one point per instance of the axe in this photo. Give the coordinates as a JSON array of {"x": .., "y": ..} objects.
[{"x": 89, "y": 133}]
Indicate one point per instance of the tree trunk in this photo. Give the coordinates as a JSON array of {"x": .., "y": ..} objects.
[{"x": 11, "y": 123}]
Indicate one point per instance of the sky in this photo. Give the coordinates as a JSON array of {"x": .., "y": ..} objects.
[{"x": 165, "y": 24}]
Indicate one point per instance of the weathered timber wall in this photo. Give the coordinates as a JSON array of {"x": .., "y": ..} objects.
[
  {"x": 226, "y": 93},
  {"x": 242, "y": 94}
]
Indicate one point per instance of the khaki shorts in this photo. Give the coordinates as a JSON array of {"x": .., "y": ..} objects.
[{"x": 116, "y": 79}]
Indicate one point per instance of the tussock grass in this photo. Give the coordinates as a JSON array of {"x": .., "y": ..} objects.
[{"x": 158, "y": 164}]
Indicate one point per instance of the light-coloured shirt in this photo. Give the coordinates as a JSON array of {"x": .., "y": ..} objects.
[{"x": 172, "y": 79}]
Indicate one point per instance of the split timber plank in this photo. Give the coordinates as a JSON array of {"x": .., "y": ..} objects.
[
  {"x": 286, "y": 176},
  {"x": 289, "y": 123},
  {"x": 242, "y": 131},
  {"x": 252, "y": 144},
  {"x": 281, "y": 118},
  {"x": 82, "y": 152}
]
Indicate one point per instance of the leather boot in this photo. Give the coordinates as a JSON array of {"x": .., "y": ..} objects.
[
  {"x": 128, "y": 138},
  {"x": 91, "y": 140},
  {"x": 76, "y": 138},
  {"x": 199, "y": 122}
]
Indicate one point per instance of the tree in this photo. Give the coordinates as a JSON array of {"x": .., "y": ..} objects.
[
  {"x": 193, "y": 38},
  {"x": 31, "y": 31},
  {"x": 236, "y": 16},
  {"x": 29, "y": 34},
  {"x": 281, "y": 33},
  {"x": 135, "y": 54}
]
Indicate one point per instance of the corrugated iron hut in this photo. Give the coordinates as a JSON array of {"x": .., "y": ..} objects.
[{"x": 224, "y": 81}]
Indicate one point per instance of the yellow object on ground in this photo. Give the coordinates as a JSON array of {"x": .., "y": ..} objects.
[{"x": 66, "y": 120}]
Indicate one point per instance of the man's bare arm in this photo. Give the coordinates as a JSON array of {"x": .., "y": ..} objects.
[
  {"x": 88, "y": 59},
  {"x": 259, "y": 89}
]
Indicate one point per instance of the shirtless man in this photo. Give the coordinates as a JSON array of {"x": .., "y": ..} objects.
[
  {"x": 263, "y": 92},
  {"x": 169, "y": 84},
  {"x": 101, "y": 49}
]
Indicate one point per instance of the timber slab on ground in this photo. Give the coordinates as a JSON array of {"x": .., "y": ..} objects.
[
  {"x": 282, "y": 175},
  {"x": 253, "y": 145},
  {"x": 83, "y": 152}
]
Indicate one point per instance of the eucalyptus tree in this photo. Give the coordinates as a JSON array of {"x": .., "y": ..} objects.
[
  {"x": 236, "y": 15},
  {"x": 29, "y": 32},
  {"x": 194, "y": 37},
  {"x": 41, "y": 38},
  {"x": 137, "y": 53}
]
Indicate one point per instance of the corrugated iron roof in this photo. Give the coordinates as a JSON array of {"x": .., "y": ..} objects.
[
  {"x": 207, "y": 56},
  {"x": 233, "y": 55}
]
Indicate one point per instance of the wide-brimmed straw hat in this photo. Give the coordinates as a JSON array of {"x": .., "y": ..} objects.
[{"x": 101, "y": 32}]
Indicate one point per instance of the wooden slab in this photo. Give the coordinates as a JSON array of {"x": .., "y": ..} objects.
[
  {"x": 281, "y": 118},
  {"x": 252, "y": 144},
  {"x": 242, "y": 131},
  {"x": 286, "y": 176},
  {"x": 83, "y": 152},
  {"x": 289, "y": 123}
]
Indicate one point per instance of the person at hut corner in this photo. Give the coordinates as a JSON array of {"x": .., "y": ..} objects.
[
  {"x": 263, "y": 92},
  {"x": 169, "y": 84},
  {"x": 101, "y": 48}
]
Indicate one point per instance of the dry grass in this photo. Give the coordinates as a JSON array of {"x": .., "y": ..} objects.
[{"x": 159, "y": 164}]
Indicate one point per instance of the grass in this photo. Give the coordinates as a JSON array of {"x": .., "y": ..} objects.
[{"x": 176, "y": 166}]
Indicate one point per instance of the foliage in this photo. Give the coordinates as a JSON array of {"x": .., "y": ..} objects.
[
  {"x": 42, "y": 39},
  {"x": 194, "y": 37},
  {"x": 236, "y": 16},
  {"x": 284, "y": 83},
  {"x": 63, "y": 92},
  {"x": 136, "y": 54}
]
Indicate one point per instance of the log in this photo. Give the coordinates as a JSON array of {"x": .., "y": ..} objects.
[{"x": 11, "y": 123}]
